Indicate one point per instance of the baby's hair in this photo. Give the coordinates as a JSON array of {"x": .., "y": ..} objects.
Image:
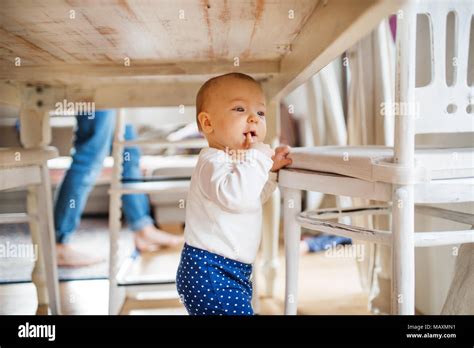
[{"x": 203, "y": 91}]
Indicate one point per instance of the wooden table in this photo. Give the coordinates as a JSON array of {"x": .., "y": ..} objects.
[
  {"x": 121, "y": 54},
  {"x": 157, "y": 53}
]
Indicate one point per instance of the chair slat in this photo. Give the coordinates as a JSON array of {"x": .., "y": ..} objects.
[
  {"x": 438, "y": 18},
  {"x": 463, "y": 31},
  {"x": 441, "y": 108}
]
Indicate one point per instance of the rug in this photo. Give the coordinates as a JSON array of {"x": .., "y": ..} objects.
[{"x": 17, "y": 253}]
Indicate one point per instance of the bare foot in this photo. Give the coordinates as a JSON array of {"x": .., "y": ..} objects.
[
  {"x": 151, "y": 238},
  {"x": 68, "y": 256}
]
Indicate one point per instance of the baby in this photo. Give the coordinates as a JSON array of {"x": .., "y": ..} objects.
[{"x": 233, "y": 177}]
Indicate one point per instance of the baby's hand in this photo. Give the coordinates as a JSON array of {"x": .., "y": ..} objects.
[{"x": 280, "y": 158}]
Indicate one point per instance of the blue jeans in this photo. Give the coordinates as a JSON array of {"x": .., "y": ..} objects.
[{"x": 91, "y": 145}]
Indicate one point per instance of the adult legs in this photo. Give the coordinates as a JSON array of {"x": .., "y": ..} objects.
[
  {"x": 136, "y": 207},
  {"x": 93, "y": 139},
  {"x": 92, "y": 142}
]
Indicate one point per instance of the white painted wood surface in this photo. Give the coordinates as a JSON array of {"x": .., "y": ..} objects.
[
  {"x": 121, "y": 285},
  {"x": 15, "y": 218},
  {"x": 403, "y": 251},
  {"x": 292, "y": 234},
  {"x": 157, "y": 32},
  {"x": 435, "y": 117},
  {"x": 429, "y": 239},
  {"x": 271, "y": 210},
  {"x": 32, "y": 173},
  {"x": 334, "y": 184},
  {"x": 446, "y": 214},
  {"x": 14, "y": 177},
  {"x": 144, "y": 57},
  {"x": 117, "y": 294},
  {"x": 270, "y": 239},
  {"x": 129, "y": 54},
  {"x": 354, "y": 232},
  {"x": 404, "y": 191},
  {"x": 337, "y": 213},
  {"x": 47, "y": 239}
]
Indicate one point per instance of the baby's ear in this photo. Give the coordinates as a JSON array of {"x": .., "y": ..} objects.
[{"x": 205, "y": 122}]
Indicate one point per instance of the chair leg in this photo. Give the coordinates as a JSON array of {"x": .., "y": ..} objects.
[
  {"x": 270, "y": 236},
  {"x": 403, "y": 251},
  {"x": 47, "y": 240},
  {"x": 38, "y": 274},
  {"x": 117, "y": 294},
  {"x": 292, "y": 234}
]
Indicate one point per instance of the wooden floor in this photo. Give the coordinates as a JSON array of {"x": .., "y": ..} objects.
[{"x": 328, "y": 285}]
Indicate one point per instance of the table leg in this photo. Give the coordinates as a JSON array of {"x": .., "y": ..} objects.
[{"x": 35, "y": 128}]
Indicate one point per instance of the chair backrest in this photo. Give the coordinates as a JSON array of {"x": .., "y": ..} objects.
[
  {"x": 448, "y": 100},
  {"x": 445, "y": 104}
]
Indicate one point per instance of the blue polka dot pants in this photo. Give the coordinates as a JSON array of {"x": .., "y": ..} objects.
[{"x": 210, "y": 284}]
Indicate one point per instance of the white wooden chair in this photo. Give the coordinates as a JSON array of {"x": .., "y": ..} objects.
[
  {"x": 402, "y": 175},
  {"x": 120, "y": 287},
  {"x": 156, "y": 82},
  {"x": 20, "y": 167},
  {"x": 170, "y": 191}
]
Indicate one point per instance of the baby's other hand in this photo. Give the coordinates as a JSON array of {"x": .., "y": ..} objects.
[{"x": 280, "y": 159}]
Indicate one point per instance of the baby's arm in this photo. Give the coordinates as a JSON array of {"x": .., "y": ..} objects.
[
  {"x": 269, "y": 187},
  {"x": 236, "y": 187},
  {"x": 280, "y": 160},
  {"x": 279, "y": 155}
]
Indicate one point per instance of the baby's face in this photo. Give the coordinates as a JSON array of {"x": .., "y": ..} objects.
[{"x": 235, "y": 107}]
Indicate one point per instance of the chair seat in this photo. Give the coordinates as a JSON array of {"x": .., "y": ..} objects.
[
  {"x": 179, "y": 167},
  {"x": 375, "y": 163},
  {"x": 20, "y": 157}
]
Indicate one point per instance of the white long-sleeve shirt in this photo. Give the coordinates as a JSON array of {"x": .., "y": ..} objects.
[{"x": 224, "y": 203}]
